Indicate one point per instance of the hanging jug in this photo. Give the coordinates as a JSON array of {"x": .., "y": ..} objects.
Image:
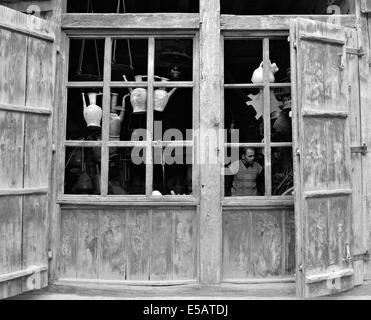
[
  {"x": 92, "y": 113},
  {"x": 138, "y": 96},
  {"x": 258, "y": 74},
  {"x": 161, "y": 96}
]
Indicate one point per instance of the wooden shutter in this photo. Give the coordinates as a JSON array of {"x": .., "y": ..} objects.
[
  {"x": 27, "y": 69},
  {"x": 323, "y": 195}
]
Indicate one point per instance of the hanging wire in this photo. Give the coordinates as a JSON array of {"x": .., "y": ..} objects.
[
  {"x": 89, "y": 9},
  {"x": 127, "y": 40}
]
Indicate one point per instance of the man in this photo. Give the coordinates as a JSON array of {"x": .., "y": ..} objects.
[{"x": 248, "y": 179}]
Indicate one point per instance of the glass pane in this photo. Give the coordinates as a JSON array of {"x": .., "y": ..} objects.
[
  {"x": 279, "y": 52},
  {"x": 282, "y": 171},
  {"x": 129, "y": 59},
  {"x": 281, "y": 116},
  {"x": 241, "y": 59},
  {"x": 138, "y": 6},
  {"x": 86, "y": 60},
  {"x": 267, "y": 7},
  {"x": 173, "y": 59},
  {"x": 84, "y": 123},
  {"x": 243, "y": 110},
  {"x": 127, "y": 171},
  {"x": 173, "y": 115},
  {"x": 82, "y": 171},
  {"x": 127, "y": 119},
  {"x": 244, "y": 172},
  {"x": 172, "y": 170}
]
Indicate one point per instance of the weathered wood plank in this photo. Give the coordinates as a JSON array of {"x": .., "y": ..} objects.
[
  {"x": 138, "y": 245},
  {"x": 68, "y": 248},
  {"x": 290, "y": 242},
  {"x": 338, "y": 235},
  {"x": 364, "y": 33},
  {"x": 112, "y": 245},
  {"x": 162, "y": 245},
  {"x": 210, "y": 195},
  {"x": 34, "y": 243},
  {"x": 273, "y": 23},
  {"x": 267, "y": 244},
  {"x": 11, "y": 146},
  {"x": 137, "y": 21},
  {"x": 338, "y": 150},
  {"x": 87, "y": 244},
  {"x": 40, "y": 74},
  {"x": 314, "y": 154},
  {"x": 185, "y": 245},
  {"x": 316, "y": 235},
  {"x": 10, "y": 234},
  {"x": 37, "y": 151},
  {"x": 237, "y": 245},
  {"x": 13, "y": 48},
  {"x": 26, "y": 25}
]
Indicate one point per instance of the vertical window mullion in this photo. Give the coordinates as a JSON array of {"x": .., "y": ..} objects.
[
  {"x": 267, "y": 123},
  {"x": 196, "y": 116},
  {"x": 149, "y": 151},
  {"x": 106, "y": 115}
]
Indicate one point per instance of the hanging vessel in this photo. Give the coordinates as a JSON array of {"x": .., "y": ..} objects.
[
  {"x": 138, "y": 96},
  {"x": 115, "y": 119},
  {"x": 92, "y": 113},
  {"x": 258, "y": 75},
  {"x": 161, "y": 96}
]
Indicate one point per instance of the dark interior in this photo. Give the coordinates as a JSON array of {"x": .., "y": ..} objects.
[{"x": 244, "y": 7}]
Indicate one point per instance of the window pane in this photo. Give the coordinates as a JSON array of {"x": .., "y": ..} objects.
[
  {"x": 128, "y": 122},
  {"x": 279, "y": 53},
  {"x": 173, "y": 115},
  {"x": 173, "y": 59},
  {"x": 127, "y": 171},
  {"x": 86, "y": 60},
  {"x": 281, "y": 116},
  {"x": 241, "y": 59},
  {"x": 172, "y": 170},
  {"x": 243, "y": 110},
  {"x": 244, "y": 172},
  {"x": 84, "y": 123},
  {"x": 129, "y": 59},
  {"x": 282, "y": 171},
  {"x": 82, "y": 170}
]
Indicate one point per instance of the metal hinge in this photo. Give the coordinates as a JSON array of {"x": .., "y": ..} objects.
[
  {"x": 363, "y": 256},
  {"x": 358, "y": 52},
  {"x": 359, "y": 149}
]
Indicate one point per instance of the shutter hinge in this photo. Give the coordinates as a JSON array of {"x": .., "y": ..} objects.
[
  {"x": 357, "y": 52},
  {"x": 50, "y": 254},
  {"x": 359, "y": 149},
  {"x": 298, "y": 152},
  {"x": 363, "y": 256}
]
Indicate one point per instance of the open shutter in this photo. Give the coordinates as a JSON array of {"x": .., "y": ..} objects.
[
  {"x": 27, "y": 69},
  {"x": 323, "y": 195}
]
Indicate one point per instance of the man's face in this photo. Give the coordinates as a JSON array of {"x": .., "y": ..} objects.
[{"x": 249, "y": 156}]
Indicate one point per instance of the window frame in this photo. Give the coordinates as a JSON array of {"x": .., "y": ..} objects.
[
  {"x": 107, "y": 85},
  {"x": 267, "y": 145}
]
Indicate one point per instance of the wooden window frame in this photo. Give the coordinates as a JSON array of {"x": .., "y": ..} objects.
[
  {"x": 178, "y": 31},
  {"x": 267, "y": 145}
]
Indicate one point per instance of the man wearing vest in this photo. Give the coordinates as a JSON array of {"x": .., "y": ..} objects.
[{"x": 248, "y": 179}]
